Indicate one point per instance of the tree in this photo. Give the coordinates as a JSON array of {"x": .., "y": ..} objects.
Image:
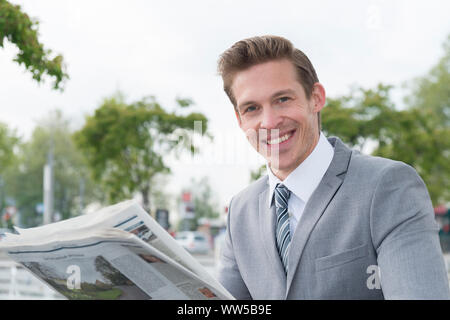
[
  {"x": 410, "y": 135},
  {"x": 422, "y": 131},
  {"x": 125, "y": 144},
  {"x": 430, "y": 94},
  {"x": 416, "y": 135},
  {"x": 161, "y": 199},
  {"x": 421, "y": 144},
  {"x": 204, "y": 203},
  {"x": 17, "y": 27},
  {"x": 8, "y": 141},
  {"x": 361, "y": 116},
  {"x": 24, "y": 180}
]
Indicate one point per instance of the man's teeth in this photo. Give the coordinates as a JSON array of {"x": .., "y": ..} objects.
[{"x": 280, "y": 139}]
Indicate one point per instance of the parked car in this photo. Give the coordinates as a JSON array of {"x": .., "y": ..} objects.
[{"x": 193, "y": 241}]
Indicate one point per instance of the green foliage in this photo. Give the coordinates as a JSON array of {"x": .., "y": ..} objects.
[
  {"x": 125, "y": 144},
  {"x": 430, "y": 93},
  {"x": 258, "y": 173},
  {"x": 205, "y": 204},
  {"x": 420, "y": 143},
  {"x": 184, "y": 102},
  {"x": 8, "y": 141},
  {"x": 160, "y": 198},
  {"x": 417, "y": 135},
  {"x": 24, "y": 180},
  {"x": 362, "y": 115},
  {"x": 421, "y": 134},
  {"x": 18, "y": 28}
]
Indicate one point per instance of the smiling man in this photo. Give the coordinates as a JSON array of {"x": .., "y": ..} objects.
[
  {"x": 326, "y": 222},
  {"x": 272, "y": 102}
]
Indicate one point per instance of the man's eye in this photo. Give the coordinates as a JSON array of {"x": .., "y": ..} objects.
[
  {"x": 250, "y": 109},
  {"x": 283, "y": 99}
]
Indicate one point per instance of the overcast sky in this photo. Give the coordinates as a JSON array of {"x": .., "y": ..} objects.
[{"x": 170, "y": 49}]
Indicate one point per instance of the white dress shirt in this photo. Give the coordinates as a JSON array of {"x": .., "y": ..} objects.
[{"x": 303, "y": 180}]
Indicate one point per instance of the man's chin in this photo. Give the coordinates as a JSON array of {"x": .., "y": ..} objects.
[{"x": 276, "y": 166}]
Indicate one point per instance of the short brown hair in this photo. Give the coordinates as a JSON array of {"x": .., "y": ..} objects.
[{"x": 252, "y": 51}]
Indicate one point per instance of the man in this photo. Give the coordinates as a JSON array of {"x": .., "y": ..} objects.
[{"x": 326, "y": 222}]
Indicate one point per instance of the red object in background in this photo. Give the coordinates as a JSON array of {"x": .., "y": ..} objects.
[
  {"x": 446, "y": 228},
  {"x": 440, "y": 210},
  {"x": 186, "y": 196}
]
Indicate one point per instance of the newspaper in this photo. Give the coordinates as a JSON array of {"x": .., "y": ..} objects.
[{"x": 119, "y": 252}]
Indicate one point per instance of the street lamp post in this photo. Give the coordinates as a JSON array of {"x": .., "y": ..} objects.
[{"x": 48, "y": 186}]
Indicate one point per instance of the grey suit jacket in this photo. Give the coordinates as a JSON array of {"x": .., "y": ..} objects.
[{"x": 367, "y": 232}]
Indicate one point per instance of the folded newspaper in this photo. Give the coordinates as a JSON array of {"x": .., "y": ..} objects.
[{"x": 119, "y": 252}]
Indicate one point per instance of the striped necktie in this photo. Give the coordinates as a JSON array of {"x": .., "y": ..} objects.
[{"x": 283, "y": 235}]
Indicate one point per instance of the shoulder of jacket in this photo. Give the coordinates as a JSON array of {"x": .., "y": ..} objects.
[
  {"x": 254, "y": 189},
  {"x": 375, "y": 165}
]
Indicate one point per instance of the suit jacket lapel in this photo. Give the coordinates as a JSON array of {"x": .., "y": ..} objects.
[
  {"x": 317, "y": 204},
  {"x": 267, "y": 220}
]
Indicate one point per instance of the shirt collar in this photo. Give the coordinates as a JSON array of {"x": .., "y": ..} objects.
[{"x": 306, "y": 177}]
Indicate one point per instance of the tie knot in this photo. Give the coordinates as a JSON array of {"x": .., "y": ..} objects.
[
  {"x": 282, "y": 194},
  {"x": 282, "y": 189}
]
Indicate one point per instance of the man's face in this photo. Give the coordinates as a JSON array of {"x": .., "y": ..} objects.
[{"x": 274, "y": 112}]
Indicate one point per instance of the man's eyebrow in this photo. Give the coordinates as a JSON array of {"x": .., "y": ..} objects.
[
  {"x": 276, "y": 94},
  {"x": 282, "y": 92}
]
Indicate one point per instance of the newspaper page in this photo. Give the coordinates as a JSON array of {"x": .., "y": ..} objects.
[
  {"x": 111, "y": 264},
  {"x": 131, "y": 217}
]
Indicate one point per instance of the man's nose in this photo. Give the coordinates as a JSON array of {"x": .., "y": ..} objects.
[{"x": 270, "y": 118}]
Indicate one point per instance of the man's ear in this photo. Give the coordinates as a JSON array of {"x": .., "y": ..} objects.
[{"x": 318, "y": 96}]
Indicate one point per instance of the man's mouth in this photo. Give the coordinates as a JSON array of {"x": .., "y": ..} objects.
[{"x": 281, "y": 139}]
